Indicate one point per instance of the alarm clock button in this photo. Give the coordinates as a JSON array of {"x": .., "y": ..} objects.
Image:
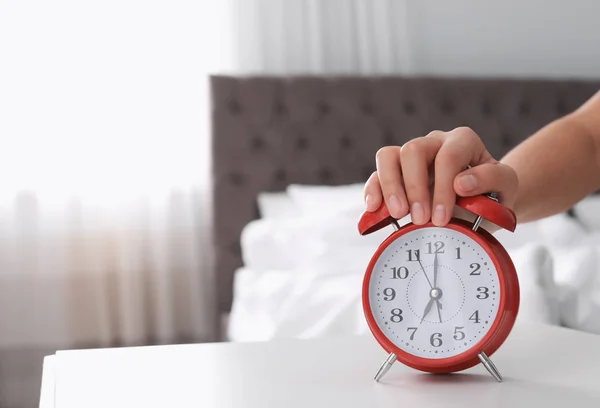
[
  {"x": 373, "y": 221},
  {"x": 489, "y": 209}
]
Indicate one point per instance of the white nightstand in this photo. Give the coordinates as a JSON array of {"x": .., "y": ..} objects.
[{"x": 542, "y": 366}]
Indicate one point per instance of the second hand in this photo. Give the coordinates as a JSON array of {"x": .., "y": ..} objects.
[{"x": 423, "y": 269}]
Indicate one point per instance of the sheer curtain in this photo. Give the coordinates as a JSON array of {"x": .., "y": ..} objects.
[
  {"x": 104, "y": 156},
  {"x": 326, "y": 37},
  {"x": 104, "y": 170}
]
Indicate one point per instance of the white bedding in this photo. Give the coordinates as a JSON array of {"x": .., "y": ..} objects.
[{"x": 304, "y": 263}]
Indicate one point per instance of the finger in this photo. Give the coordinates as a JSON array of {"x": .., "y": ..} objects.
[
  {"x": 390, "y": 180},
  {"x": 461, "y": 148},
  {"x": 372, "y": 193},
  {"x": 487, "y": 178},
  {"x": 415, "y": 158}
]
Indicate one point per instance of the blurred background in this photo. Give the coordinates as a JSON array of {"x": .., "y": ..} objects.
[{"x": 107, "y": 171}]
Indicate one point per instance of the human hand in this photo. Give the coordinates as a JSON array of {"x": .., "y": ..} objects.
[{"x": 425, "y": 175}]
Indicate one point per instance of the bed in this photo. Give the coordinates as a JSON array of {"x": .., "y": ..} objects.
[{"x": 290, "y": 155}]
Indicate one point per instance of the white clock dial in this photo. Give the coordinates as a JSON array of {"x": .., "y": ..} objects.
[{"x": 434, "y": 292}]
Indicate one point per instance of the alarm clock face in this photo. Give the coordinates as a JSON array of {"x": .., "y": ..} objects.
[{"x": 434, "y": 292}]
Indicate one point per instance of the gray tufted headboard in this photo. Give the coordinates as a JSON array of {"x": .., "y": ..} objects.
[{"x": 269, "y": 132}]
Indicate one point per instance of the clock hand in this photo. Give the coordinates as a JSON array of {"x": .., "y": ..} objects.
[
  {"x": 435, "y": 270},
  {"x": 430, "y": 303},
  {"x": 427, "y": 309},
  {"x": 439, "y": 307},
  {"x": 435, "y": 274},
  {"x": 423, "y": 269}
]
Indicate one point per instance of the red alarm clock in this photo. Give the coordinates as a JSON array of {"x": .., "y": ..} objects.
[{"x": 441, "y": 299}]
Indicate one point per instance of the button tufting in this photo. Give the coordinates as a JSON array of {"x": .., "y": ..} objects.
[
  {"x": 256, "y": 143},
  {"x": 506, "y": 139},
  {"x": 324, "y": 108},
  {"x": 447, "y": 107},
  {"x": 280, "y": 108},
  {"x": 237, "y": 179},
  {"x": 388, "y": 137},
  {"x": 524, "y": 109},
  {"x": 325, "y": 174},
  {"x": 234, "y": 107},
  {"x": 280, "y": 175},
  {"x": 235, "y": 248},
  {"x": 561, "y": 107},
  {"x": 346, "y": 142},
  {"x": 486, "y": 108},
  {"x": 409, "y": 108},
  {"x": 302, "y": 143}
]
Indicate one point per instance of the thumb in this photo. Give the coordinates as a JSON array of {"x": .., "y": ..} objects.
[{"x": 487, "y": 178}]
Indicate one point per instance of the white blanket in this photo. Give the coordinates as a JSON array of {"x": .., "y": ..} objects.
[{"x": 302, "y": 275}]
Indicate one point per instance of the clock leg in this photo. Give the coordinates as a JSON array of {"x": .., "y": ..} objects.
[
  {"x": 489, "y": 365},
  {"x": 391, "y": 359}
]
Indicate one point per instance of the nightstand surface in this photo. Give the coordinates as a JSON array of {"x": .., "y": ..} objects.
[{"x": 542, "y": 366}]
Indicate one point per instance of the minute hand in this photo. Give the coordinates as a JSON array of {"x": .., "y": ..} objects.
[
  {"x": 425, "y": 273},
  {"x": 435, "y": 274}
]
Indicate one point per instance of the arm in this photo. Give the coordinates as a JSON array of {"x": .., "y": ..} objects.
[
  {"x": 558, "y": 165},
  {"x": 544, "y": 175}
]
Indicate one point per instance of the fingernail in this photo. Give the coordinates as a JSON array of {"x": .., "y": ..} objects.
[
  {"x": 468, "y": 182},
  {"x": 394, "y": 203},
  {"x": 417, "y": 214},
  {"x": 439, "y": 215},
  {"x": 369, "y": 202}
]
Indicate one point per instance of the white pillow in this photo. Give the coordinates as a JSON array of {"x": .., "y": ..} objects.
[
  {"x": 341, "y": 202},
  {"x": 316, "y": 199},
  {"x": 276, "y": 205},
  {"x": 278, "y": 244},
  {"x": 274, "y": 304},
  {"x": 309, "y": 200},
  {"x": 290, "y": 243},
  {"x": 319, "y": 228},
  {"x": 538, "y": 293},
  {"x": 587, "y": 212},
  {"x": 559, "y": 230},
  {"x": 577, "y": 276}
]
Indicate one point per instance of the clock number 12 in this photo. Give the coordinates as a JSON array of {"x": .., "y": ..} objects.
[{"x": 439, "y": 247}]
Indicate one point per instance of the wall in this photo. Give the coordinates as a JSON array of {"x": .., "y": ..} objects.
[
  {"x": 547, "y": 38},
  {"x": 533, "y": 38}
]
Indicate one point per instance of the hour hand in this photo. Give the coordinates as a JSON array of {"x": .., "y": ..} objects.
[{"x": 427, "y": 309}]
